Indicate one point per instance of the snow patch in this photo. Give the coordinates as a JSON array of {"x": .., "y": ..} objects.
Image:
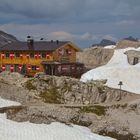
[
  {"x": 7, "y": 103},
  {"x": 10, "y": 130},
  {"x": 116, "y": 70},
  {"x": 110, "y": 47}
]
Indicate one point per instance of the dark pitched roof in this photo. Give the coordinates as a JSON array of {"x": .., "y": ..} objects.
[{"x": 38, "y": 46}]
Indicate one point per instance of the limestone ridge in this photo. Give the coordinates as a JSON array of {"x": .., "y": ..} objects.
[
  {"x": 60, "y": 90},
  {"x": 104, "y": 42},
  {"x": 6, "y": 38},
  {"x": 95, "y": 56},
  {"x": 67, "y": 90},
  {"x": 125, "y": 43},
  {"x": 87, "y": 104}
]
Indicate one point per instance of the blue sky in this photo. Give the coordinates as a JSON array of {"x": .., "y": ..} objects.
[{"x": 84, "y": 22}]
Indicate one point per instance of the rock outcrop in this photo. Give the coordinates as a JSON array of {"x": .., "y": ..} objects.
[
  {"x": 127, "y": 43},
  {"x": 6, "y": 38},
  {"x": 66, "y": 90},
  {"x": 11, "y": 88},
  {"x": 130, "y": 38},
  {"x": 104, "y": 42},
  {"x": 95, "y": 56},
  {"x": 47, "y": 99},
  {"x": 60, "y": 90},
  {"x": 133, "y": 57}
]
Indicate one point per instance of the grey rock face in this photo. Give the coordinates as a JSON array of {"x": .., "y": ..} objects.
[
  {"x": 127, "y": 43},
  {"x": 52, "y": 89},
  {"x": 95, "y": 56},
  {"x": 6, "y": 38},
  {"x": 76, "y": 103},
  {"x": 73, "y": 91},
  {"x": 132, "y": 55}
]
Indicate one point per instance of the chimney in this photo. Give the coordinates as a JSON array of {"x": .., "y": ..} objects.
[
  {"x": 57, "y": 42},
  {"x": 30, "y": 43}
]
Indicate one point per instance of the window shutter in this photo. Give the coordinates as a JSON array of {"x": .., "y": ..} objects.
[
  {"x": 28, "y": 56},
  {"x": 69, "y": 52},
  {"x": 3, "y": 55},
  {"x": 12, "y": 68},
  {"x": 29, "y": 67},
  {"x": 21, "y": 55},
  {"x": 20, "y": 67},
  {"x": 47, "y": 55},
  {"x": 38, "y": 68},
  {"x": 12, "y": 55},
  {"x": 3, "y": 67},
  {"x": 60, "y": 51},
  {"x": 35, "y": 56},
  {"x": 39, "y": 55}
]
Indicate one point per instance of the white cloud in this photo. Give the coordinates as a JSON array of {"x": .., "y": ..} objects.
[
  {"x": 50, "y": 32},
  {"x": 44, "y": 30},
  {"x": 110, "y": 37},
  {"x": 125, "y": 22},
  {"x": 22, "y": 30},
  {"x": 87, "y": 36},
  {"x": 82, "y": 21},
  {"x": 61, "y": 35}
]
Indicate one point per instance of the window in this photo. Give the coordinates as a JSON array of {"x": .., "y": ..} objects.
[
  {"x": 43, "y": 55},
  {"x": 7, "y": 55},
  {"x": 34, "y": 67},
  {"x": 67, "y": 51},
  {"x": 17, "y": 55},
  {"x": 31, "y": 55}
]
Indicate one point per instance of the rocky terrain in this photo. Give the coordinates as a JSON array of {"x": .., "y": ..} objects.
[
  {"x": 130, "y": 38},
  {"x": 131, "y": 55},
  {"x": 127, "y": 43},
  {"x": 94, "y": 56},
  {"x": 104, "y": 42},
  {"x": 6, "y": 38},
  {"x": 97, "y": 56},
  {"x": 47, "y": 99}
]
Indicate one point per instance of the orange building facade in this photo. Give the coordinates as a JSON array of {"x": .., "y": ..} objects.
[{"x": 31, "y": 57}]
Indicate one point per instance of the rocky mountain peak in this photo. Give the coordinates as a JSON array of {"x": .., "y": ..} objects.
[
  {"x": 130, "y": 38},
  {"x": 105, "y": 42},
  {"x": 6, "y": 38}
]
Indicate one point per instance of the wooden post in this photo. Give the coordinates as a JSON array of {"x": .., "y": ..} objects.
[
  {"x": 120, "y": 84},
  {"x": 52, "y": 69}
]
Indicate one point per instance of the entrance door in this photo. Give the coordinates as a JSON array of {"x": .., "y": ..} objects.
[{"x": 50, "y": 69}]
